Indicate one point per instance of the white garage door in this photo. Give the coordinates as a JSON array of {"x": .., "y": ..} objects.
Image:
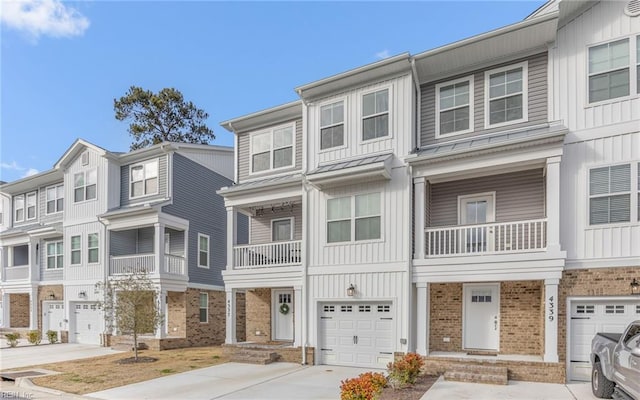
[
  {"x": 589, "y": 318},
  {"x": 53, "y": 318},
  {"x": 88, "y": 325},
  {"x": 356, "y": 334}
]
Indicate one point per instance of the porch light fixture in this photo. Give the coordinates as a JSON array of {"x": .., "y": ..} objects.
[
  {"x": 351, "y": 290},
  {"x": 82, "y": 294},
  {"x": 52, "y": 296},
  {"x": 635, "y": 286}
]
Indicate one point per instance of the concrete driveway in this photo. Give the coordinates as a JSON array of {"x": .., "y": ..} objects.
[{"x": 28, "y": 355}]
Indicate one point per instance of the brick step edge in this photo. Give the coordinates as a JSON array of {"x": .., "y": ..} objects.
[
  {"x": 476, "y": 378},
  {"x": 252, "y": 360},
  {"x": 479, "y": 369}
]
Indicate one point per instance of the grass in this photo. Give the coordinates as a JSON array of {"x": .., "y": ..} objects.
[{"x": 101, "y": 373}]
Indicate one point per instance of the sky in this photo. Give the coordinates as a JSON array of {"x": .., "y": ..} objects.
[{"x": 62, "y": 64}]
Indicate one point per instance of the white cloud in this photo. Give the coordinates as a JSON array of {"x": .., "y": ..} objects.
[
  {"x": 30, "y": 171},
  {"x": 12, "y": 165},
  {"x": 43, "y": 17},
  {"x": 382, "y": 54}
]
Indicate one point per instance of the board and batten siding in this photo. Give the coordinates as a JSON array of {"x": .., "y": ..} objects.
[
  {"x": 260, "y": 226},
  {"x": 401, "y": 129},
  {"x": 395, "y": 220},
  {"x": 125, "y": 184},
  {"x": 244, "y": 151},
  {"x": 602, "y": 23},
  {"x": 519, "y": 196},
  {"x": 537, "y": 104},
  {"x": 85, "y": 211},
  {"x": 84, "y": 270},
  {"x": 581, "y": 240}
]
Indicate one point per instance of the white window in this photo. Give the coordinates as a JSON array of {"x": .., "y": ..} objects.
[
  {"x": 638, "y": 184},
  {"x": 454, "y": 107},
  {"x": 506, "y": 95},
  {"x": 144, "y": 179},
  {"x": 31, "y": 205},
  {"x": 375, "y": 114},
  {"x": 55, "y": 199},
  {"x": 332, "y": 125},
  {"x": 609, "y": 71},
  {"x": 282, "y": 229},
  {"x": 84, "y": 185},
  {"x": 204, "y": 307},
  {"x": 273, "y": 149},
  {"x": 76, "y": 252},
  {"x": 18, "y": 206},
  {"x": 54, "y": 255},
  {"x": 637, "y": 64},
  {"x": 361, "y": 224},
  {"x": 92, "y": 248},
  {"x": 203, "y": 250},
  {"x": 609, "y": 194}
]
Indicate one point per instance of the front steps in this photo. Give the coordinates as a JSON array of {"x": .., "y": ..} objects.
[
  {"x": 477, "y": 374},
  {"x": 253, "y": 356}
]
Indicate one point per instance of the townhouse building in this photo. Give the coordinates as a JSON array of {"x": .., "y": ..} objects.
[
  {"x": 97, "y": 215},
  {"x": 476, "y": 203}
]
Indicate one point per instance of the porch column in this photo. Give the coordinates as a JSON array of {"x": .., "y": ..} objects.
[
  {"x": 232, "y": 240},
  {"x": 158, "y": 248},
  {"x": 297, "y": 316},
  {"x": 553, "y": 204},
  {"x": 6, "y": 310},
  {"x": 419, "y": 204},
  {"x": 33, "y": 308},
  {"x": 163, "y": 328},
  {"x": 34, "y": 260},
  {"x": 551, "y": 320},
  {"x": 422, "y": 318},
  {"x": 231, "y": 316}
]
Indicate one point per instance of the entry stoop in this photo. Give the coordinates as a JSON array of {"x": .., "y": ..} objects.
[
  {"x": 254, "y": 356},
  {"x": 477, "y": 374}
]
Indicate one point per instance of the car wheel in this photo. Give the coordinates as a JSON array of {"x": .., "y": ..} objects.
[{"x": 600, "y": 385}]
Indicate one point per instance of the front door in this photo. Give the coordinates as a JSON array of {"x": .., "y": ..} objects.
[
  {"x": 482, "y": 316},
  {"x": 283, "y": 314},
  {"x": 476, "y": 210},
  {"x": 52, "y": 318}
]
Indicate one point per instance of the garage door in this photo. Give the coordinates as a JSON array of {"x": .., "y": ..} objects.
[
  {"x": 589, "y": 318},
  {"x": 53, "y": 318},
  {"x": 88, "y": 326},
  {"x": 356, "y": 334}
]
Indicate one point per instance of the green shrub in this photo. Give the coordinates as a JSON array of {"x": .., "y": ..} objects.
[
  {"x": 366, "y": 386},
  {"x": 52, "y": 336},
  {"x": 34, "y": 337},
  {"x": 405, "y": 371},
  {"x": 12, "y": 338}
]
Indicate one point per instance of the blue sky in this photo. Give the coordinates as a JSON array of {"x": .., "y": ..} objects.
[{"x": 63, "y": 63}]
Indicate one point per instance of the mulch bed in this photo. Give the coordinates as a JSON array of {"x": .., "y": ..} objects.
[
  {"x": 132, "y": 360},
  {"x": 414, "y": 392}
]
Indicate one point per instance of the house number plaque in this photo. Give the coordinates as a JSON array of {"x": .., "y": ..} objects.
[{"x": 551, "y": 309}]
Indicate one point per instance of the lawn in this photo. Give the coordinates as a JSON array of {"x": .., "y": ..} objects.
[{"x": 100, "y": 373}]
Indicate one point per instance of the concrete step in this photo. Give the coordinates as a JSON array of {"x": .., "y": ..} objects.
[
  {"x": 254, "y": 356},
  {"x": 477, "y": 373}
]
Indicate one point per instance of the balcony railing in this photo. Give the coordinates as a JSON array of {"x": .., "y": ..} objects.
[
  {"x": 173, "y": 265},
  {"x": 277, "y": 254},
  {"x": 19, "y": 272},
  {"x": 134, "y": 263},
  {"x": 491, "y": 238}
]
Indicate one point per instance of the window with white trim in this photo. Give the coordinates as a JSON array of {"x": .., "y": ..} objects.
[
  {"x": 454, "y": 107},
  {"x": 18, "y": 207},
  {"x": 609, "y": 71},
  {"x": 76, "y": 250},
  {"x": 31, "y": 205},
  {"x": 84, "y": 185},
  {"x": 375, "y": 114},
  {"x": 272, "y": 149},
  {"x": 203, "y": 250},
  {"x": 93, "y": 253},
  {"x": 55, "y": 199},
  {"x": 204, "y": 307},
  {"x": 282, "y": 229},
  {"x": 361, "y": 224},
  {"x": 610, "y": 194},
  {"x": 54, "y": 254},
  {"x": 332, "y": 125},
  {"x": 637, "y": 64},
  {"x": 638, "y": 187},
  {"x": 506, "y": 95},
  {"x": 143, "y": 178}
]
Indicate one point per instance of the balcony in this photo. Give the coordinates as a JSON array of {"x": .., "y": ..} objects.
[
  {"x": 138, "y": 263},
  {"x": 489, "y": 238},
  {"x": 20, "y": 272},
  {"x": 276, "y": 254}
]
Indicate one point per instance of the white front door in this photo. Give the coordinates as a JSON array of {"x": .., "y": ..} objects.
[
  {"x": 283, "y": 315},
  {"x": 482, "y": 316},
  {"x": 476, "y": 210},
  {"x": 87, "y": 324},
  {"x": 52, "y": 318}
]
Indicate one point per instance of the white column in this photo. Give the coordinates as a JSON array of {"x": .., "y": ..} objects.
[
  {"x": 33, "y": 308},
  {"x": 232, "y": 225},
  {"x": 6, "y": 310},
  {"x": 419, "y": 208},
  {"x": 422, "y": 318},
  {"x": 231, "y": 316},
  {"x": 161, "y": 331},
  {"x": 551, "y": 320},
  {"x": 34, "y": 260},
  {"x": 553, "y": 203},
  {"x": 297, "y": 316},
  {"x": 158, "y": 248}
]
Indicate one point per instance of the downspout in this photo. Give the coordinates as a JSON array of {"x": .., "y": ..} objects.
[
  {"x": 305, "y": 233},
  {"x": 418, "y": 104}
]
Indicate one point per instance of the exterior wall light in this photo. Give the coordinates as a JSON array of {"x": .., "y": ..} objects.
[
  {"x": 82, "y": 294},
  {"x": 52, "y": 296},
  {"x": 635, "y": 286},
  {"x": 351, "y": 290}
]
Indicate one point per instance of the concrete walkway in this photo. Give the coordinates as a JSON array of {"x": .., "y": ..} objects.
[{"x": 27, "y": 355}]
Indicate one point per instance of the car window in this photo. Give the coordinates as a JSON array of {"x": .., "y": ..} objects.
[{"x": 632, "y": 338}]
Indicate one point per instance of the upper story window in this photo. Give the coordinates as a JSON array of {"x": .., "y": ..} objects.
[
  {"x": 54, "y": 255},
  {"x": 144, "y": 179},
  {"x": 454, "y": 107},
  {"x": 354, "y": 216},
  {"x": 609, "y": 71},
  {"x": 272, "y": 149},
  {"x": 18, "y": 207},
  {"x": 506, "y": 95},
  {"x": 609, "y": 194},
  {"x": 93, "y": 253},
  {"x": 203, "y": 250},
  {"x": 332, "y": 125},
  {"x": 55, "y": 199},
  {"x": 76, "y": 251},
  {"x": 84, "y": 185},
  {"x": 375, "y": 114},
  {"x": 638, "y": 64},
  {"x": 31, "y": 205}
]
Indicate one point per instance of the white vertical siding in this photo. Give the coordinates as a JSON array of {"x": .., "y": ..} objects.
[
  {"x": 85, "y": 271},
  {"x": 86, "y": 210}
]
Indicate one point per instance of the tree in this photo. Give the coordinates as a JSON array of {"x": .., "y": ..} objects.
[
  {"x": 129, "y": 302},
  {"x": 161, "y": 117}
]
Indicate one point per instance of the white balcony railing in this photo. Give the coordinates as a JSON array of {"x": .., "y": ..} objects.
[
  {"x": 132, "y": 264},
  {"x": 276, "y": 254},
  {"x": 173, "y": 265},
  {"x": 19, "y": 272},
  {"x": 491, "y": 238}
]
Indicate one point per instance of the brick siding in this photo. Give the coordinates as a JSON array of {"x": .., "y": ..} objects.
[
  {"x": 19, "y": 310},
  {"x": 258, "y": 311}
]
